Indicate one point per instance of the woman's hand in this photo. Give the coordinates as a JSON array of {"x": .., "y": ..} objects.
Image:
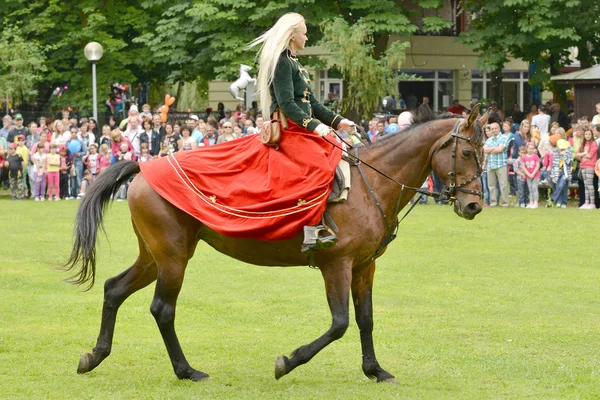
[
  {"x": 322, "y": 130},
  {"x": 346, "y": 125}
]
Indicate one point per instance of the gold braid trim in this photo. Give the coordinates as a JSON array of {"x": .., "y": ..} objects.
[
  {"x": 333, "y": 120},
  {"x": 305, "y": 122}
]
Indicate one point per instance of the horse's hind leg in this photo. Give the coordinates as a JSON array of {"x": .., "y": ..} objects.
[
  {"x": 362, "y": 295},
  {"x": 116, "y": 291},
  {"x": 337, "y": 286}
]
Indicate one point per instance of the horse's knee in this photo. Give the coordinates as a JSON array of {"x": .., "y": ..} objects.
[
  {"x": 163, "y": 313},
  {"x": 339, "y": 327}
]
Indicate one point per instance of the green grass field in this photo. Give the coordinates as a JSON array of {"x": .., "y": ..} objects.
[{"x": 505, "y": 306}]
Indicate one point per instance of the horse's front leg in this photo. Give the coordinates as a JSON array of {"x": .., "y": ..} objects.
[
  {"x": 362, "y": 295},
  {"x": 337, "y": 286}
]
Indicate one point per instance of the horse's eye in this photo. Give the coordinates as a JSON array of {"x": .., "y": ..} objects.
[{"x": 467, "y": 153}]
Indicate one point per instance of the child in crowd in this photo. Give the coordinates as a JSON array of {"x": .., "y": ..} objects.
[
  {"x": 23, "y": 151},
  {"x": 92, "y": 160},
  {"x": 146, "y": 111},
  {"x": 105, "y": 138},
  {"x": 53, "y": 165},
  {"x": 104, "y": 160},
  {"x": 531, "y": 163},
  {"x": 118, "y": 139},
  {"x": 587, "y": 159},
  {"x": 145, "y": 153},
  {"x": 65, "y": 169},
  {"x": 518, "y": 167},
  {"x": 562, "y": 168},
  {"x": 14, "y": 163},
  {"x": 124, "y": 153},
  {"x": 85, "y": 183},
  {"x": 39, "y": 174}
]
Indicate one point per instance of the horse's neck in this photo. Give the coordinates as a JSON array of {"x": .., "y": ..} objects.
[{"x": 404, "y": 158}]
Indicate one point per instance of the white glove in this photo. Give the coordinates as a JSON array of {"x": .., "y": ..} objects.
[
  {"x": 347, "y": 121},
  {"x": 322, "y": 130}
]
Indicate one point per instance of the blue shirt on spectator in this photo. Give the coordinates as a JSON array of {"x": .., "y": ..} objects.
[
  {"x": 4, "y": 132},
  {"x": 496, "y": 161}
]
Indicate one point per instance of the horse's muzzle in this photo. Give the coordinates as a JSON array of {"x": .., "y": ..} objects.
[{"x": 469, "y": 211}]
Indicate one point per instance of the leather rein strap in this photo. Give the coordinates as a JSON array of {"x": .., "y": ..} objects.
[{"x": 447, "y": 193}]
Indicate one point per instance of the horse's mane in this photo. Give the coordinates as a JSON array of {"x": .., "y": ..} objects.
[{"x": 422, "y": 116}]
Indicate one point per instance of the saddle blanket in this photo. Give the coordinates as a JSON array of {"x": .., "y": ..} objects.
[{"x": 245, "y": 189}]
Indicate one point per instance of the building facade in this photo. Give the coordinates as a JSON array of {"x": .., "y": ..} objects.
[{"x": 444, "y": 70}]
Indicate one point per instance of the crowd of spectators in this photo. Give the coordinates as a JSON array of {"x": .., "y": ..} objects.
[
  {"x": 57, "y": 159},
  {"x": 527, "y": 156},
  {"x": 542, "y": 155}
]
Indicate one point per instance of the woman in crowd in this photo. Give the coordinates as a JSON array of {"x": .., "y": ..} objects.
[
  {"x": 227, "y": 135},
  {"x": 171, "y": 142},
  {"x": 187, "y": 140},
  {"x": 586, "y": 155},
  {"x": 61, "y": 134},
  {"x": 117, "y": 139},
  {"x": 150, "y": 136}
]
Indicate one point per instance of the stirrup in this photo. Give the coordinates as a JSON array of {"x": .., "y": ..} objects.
[{"x": 318, "y": 237}]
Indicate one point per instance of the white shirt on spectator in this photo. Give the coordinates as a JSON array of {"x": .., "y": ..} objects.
[
  {"x": 542, "y": 121},
  {"x": 134, "y": 138}
]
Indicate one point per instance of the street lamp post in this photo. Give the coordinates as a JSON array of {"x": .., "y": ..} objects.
[{"x": 93, "y": 52}]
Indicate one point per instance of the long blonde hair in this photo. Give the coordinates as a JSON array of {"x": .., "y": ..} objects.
[{"x": 273, "y": 43}]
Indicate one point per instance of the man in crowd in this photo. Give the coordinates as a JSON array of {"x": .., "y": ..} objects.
[
  {"x": 456, "y": 108},
  {"x": 134, "y": 132},
  {"x": 210, "y": 137},
  {"x": 497, "y": 166},
  {"x": 157, "y": 126},
  {"x": 559, "y": 116},
  {"x": 193, "y": 125},
  {"x": 259, "y": 124},
  {"x": 18, "y": 130}
]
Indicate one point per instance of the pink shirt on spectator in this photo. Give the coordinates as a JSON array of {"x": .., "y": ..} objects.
[
  {"x": 592, "y": 149},
  {"x": 116, "y": 146},
  {"x": 548, "y": 160},
  {"x": 531, "y": 162}
]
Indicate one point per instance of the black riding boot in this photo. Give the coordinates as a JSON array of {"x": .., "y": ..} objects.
[{"x": 318, "y": 237}]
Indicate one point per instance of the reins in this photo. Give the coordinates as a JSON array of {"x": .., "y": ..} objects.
[{"x": 447, "y": 194}]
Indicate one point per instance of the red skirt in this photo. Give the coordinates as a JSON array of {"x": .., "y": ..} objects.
[{"x": 245, "y": 189}]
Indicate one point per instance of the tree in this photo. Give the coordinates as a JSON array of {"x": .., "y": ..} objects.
[
  {"x": 534, "y": 31},
  {"x": 208, "y": 38},
  {"x": 366, "y": 78},
  {"x": 63, "y": 28},
  {"x": 22, "y": 64}
]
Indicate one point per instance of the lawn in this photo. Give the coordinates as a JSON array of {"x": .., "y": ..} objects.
[{"x": 502, "y": 307}]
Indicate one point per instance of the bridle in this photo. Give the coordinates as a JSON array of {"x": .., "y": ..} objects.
[{"x": 448, "y": 192}]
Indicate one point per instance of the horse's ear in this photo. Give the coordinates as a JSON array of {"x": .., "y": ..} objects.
[
  {"x": 473, "y": 115},
  {"x": 484, "y": 118}
]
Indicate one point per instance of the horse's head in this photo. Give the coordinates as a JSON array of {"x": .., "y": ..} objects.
[{"x": 457, "y": 160}]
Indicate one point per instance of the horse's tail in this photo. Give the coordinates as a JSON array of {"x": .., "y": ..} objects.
[{"x": 89, "y": 219}]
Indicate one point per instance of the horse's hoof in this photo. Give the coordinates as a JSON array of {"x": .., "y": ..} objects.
[
  {"x": 84, "y": 363},
  {"x": 202, "y": 377},
  {"x": 391, "y": 381},
  {"x": 281, "y": 366}
]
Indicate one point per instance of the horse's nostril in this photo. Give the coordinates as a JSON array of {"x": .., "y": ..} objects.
[{"x": 473, "y": 208}]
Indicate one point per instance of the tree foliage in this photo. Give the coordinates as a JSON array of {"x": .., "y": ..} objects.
[
  {"x": 22, "y": 64},
  {"x": 366, "y": 77},
  {"x": 534, "y": 31},
  {"x": 180, "y": 41}
]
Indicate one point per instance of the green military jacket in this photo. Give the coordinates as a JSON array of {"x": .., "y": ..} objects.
[{"x": 292, "y": 93}]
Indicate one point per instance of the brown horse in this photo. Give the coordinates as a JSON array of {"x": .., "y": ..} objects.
[{"x": 168, "y": 237}]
